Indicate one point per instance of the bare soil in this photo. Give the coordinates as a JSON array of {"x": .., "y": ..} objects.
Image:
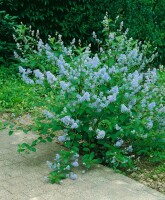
[{"x": 151, "y": 175}]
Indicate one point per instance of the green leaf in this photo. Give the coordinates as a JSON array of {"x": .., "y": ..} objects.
[
  {"x": 91, "y": 155},
  {"x": 86, "y": 149},
  {"x": 93, "y": 145},
  {"x": 32, "y": 149},
  {"x": 109, "y": 153},
  {"x": 11, "y": 132},
  {"x": 49, "y": 139},
  {"x": 34, "y": 143}
]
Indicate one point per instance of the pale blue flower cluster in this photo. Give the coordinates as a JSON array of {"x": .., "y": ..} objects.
[
  {"x": 100, "y": 134},
  {"x": 151, "y": 106},
  {"x": 63, "y": 138},
  {"x": 64, "y": 85},
  {"x": 73, "y": 176},
  {"x": 68, "y": 121},
  {"x": 48, "y": 114},
  {"x": 124, "y": 109},
  {"x": 75, "y": 163},
  {"x": 39, "y": 76},
  {"x": 54, "y": 166},
  {"x": 50, "y": 78},
  {"x": 84, "y": 97},
  {"x": 129, "y": 149},
  {"x": 119, "y": 143},
  {"x": 149, "y": 124},
  {"x": 51, "y": 166},
  {"x": 24, "y": 73},
  {"x": 40, "y": 45},
  {"x": 117, "y": 127}
]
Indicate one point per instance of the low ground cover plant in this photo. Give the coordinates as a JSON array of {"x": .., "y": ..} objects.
[
  {"x": 16, "y": 97},
  {"x": 108, "y": 107}
]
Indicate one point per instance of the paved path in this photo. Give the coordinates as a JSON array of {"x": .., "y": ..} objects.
[{"x": 22, "y": 178}]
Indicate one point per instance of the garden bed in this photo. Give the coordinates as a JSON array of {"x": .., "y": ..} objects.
[{"x": 150, "y": 175}]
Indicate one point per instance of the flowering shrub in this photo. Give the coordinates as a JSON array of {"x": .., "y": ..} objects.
[
  {"x": 106, "y": 107},
  {"x": 31, "y": 50}
]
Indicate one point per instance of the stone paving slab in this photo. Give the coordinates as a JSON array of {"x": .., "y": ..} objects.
[{"x": 21, "y": 177}]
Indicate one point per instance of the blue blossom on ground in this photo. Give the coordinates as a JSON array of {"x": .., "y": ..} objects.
[{"x": 73, "y": 176}]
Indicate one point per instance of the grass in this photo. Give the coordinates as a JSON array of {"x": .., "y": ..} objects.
[{"x": 16, "y": 96}]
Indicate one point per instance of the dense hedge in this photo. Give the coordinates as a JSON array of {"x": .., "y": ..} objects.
[
  {"x": 78, "y": 19},
  {"x": 7, "y": 45}
]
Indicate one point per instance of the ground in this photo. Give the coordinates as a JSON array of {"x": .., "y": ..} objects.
[{"x": 22, "y": 177}]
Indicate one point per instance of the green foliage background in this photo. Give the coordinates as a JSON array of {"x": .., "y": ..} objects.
[
  {"x": 7, "y": 45},
  {"x": 78, "y": 19}
]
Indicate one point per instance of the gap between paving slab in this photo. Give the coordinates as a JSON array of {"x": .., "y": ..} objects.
[{"x": 21, "y": 178}]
